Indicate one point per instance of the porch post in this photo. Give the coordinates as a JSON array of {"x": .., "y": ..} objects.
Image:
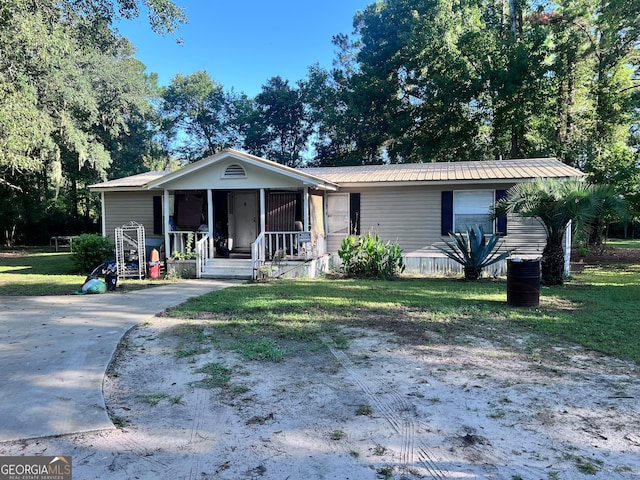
[
  {"x": 210, "y": 221},
  {"x": 263, "y": 209},
  {"x": 167, "y": 225},
  {"x": 305, "y": 195},
  {"x": 103, "y": 212}
]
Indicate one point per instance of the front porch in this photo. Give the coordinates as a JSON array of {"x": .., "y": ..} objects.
[
  {"x": 233, "y": 213},
  {"x": 296, "y": 252}
]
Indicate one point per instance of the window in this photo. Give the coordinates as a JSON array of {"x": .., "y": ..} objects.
[
  {"x": 463, "y": 208},
  {"x": 472, "y": 207},
  {"x": 338, "y": 213}
]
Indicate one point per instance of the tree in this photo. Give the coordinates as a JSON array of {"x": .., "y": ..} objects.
[
  {"x": 69, "y": 85},
  {"x": 280, "y": 126},
  {"x": 556, "y": 204},
  {"x": 434, "y": 80},
  {"x": 439, "y": 80},
  {"x": 337, "y": 138},
  {"x": 206, "y": 117}
]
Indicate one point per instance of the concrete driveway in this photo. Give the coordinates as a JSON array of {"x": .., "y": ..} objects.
[{"x": 54, "y": 352}]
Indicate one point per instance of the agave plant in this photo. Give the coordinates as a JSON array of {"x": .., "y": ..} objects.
[{"x": 473, "y": 250}]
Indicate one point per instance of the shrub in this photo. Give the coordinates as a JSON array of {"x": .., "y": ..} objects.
[
  {"x": 473, "y": 250},
  {"x": 90, "y": 250},
  {"x": 369, "y": 257}
]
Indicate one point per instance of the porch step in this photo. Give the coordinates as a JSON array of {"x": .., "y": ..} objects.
[{"x": 228, "y": 268}]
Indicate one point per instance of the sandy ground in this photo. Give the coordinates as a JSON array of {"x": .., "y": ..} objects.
[{"x": 374, "y": 408}]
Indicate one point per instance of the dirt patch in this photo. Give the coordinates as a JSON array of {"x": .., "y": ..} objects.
[
  {"x": 367, "y": 406},
  {"x": 604, "y": 255}
]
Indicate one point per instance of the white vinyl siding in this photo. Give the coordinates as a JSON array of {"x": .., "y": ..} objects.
[
  {"x": 411, "y": 216},
  {"x": 122, "y": 208},
  {"x": 526, "y": 235}
]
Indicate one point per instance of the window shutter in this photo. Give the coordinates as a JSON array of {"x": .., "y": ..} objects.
[
  {"x": 501, "y": 221},
  {"x": 446, "y": 223},
  {"x": 354, "y": 212},
  {"x": 157, "y": 215}
]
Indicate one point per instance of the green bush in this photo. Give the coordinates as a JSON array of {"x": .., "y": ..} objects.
[
  {"x": 90, "y": 250},
  {"x": 369, "y": 257}
]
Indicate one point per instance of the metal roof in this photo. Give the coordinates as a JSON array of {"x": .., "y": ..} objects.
[
  {"x": 132, "y": 182},
  {"x": 440, "y": 172},
  {"x": 447, "y": 171}
]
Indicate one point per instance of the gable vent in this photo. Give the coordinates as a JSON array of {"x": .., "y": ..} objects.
[{"x": 234, "y": 171}]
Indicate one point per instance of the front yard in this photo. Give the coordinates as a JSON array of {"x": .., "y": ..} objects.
[{"x": 414, "y": 378}]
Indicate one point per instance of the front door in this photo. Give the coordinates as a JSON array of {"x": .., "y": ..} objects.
[{"x": 243, "y": 216}]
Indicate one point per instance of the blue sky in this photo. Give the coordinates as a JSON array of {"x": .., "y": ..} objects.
[{"x": 243, "y": 43}]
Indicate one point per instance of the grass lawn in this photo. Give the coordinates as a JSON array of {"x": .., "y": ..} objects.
[
  {"x": 46, "y": 273},
  {"x": 38, "y": 274},
  {"x": 596, "y": 309}
]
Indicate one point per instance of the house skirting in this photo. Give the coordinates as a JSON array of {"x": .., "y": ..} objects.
[
  {"x": 423, "y": 265},
  {"x": 311, "y": 268}
]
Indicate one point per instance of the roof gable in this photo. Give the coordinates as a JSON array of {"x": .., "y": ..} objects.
[{"x": 224, "y": 170}]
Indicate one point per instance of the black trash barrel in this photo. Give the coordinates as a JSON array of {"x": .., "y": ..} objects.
[
  {"x": 523, "y": 282},
  {"x": 111, "y": 279}
]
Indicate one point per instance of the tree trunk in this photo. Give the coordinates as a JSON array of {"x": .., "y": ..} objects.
[{"x": 553, "y": 263}]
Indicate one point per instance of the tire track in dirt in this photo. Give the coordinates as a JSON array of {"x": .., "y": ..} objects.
[
  {"x": 398, "y": 413},
  {"x": 196, "y": 440}
]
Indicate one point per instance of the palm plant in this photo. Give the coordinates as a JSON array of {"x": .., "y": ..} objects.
[
  {"x": 556, "y": 204},
  {"x": 473, "y": 250}
]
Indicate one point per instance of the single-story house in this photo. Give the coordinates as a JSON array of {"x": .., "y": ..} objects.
[{"x": 242, "y": 214}]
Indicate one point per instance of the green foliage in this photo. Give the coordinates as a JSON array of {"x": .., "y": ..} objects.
[
  {"x": 198, "y": 110},
  {"x": 279, "y": 127},
  {"x": 189, "y": 252},
  {"x": 603, "y": 314},
  {"x": 556, "y": 203},
  {"x": 36, "y": 274},
  {"x": 70, "y": 88},
  {"x": 369, "y": 257},
  {"x": 91, "y": 250},
  {"x": 474, "y": 250},
  {"x": 259, "y": 349},
  {"x": 437, "y": 80},
  {"x": 216, "y": 375}
]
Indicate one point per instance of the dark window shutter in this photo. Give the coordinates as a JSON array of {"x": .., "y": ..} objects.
[
  {"x": 157, "y": 215},
  {"x": 446, "y": 223},
  {"x": 354, "y": 211},
  {"x": 501, "y": 221}
]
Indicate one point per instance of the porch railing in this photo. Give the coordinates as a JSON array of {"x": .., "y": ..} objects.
[
  {"x": 179, "y": 240},
  {"x": 257, "y": 253},
  {"x": 285, "y": 246},
  {"x": 204, "y": 250},
  {"x": 290, "y": 245}
]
